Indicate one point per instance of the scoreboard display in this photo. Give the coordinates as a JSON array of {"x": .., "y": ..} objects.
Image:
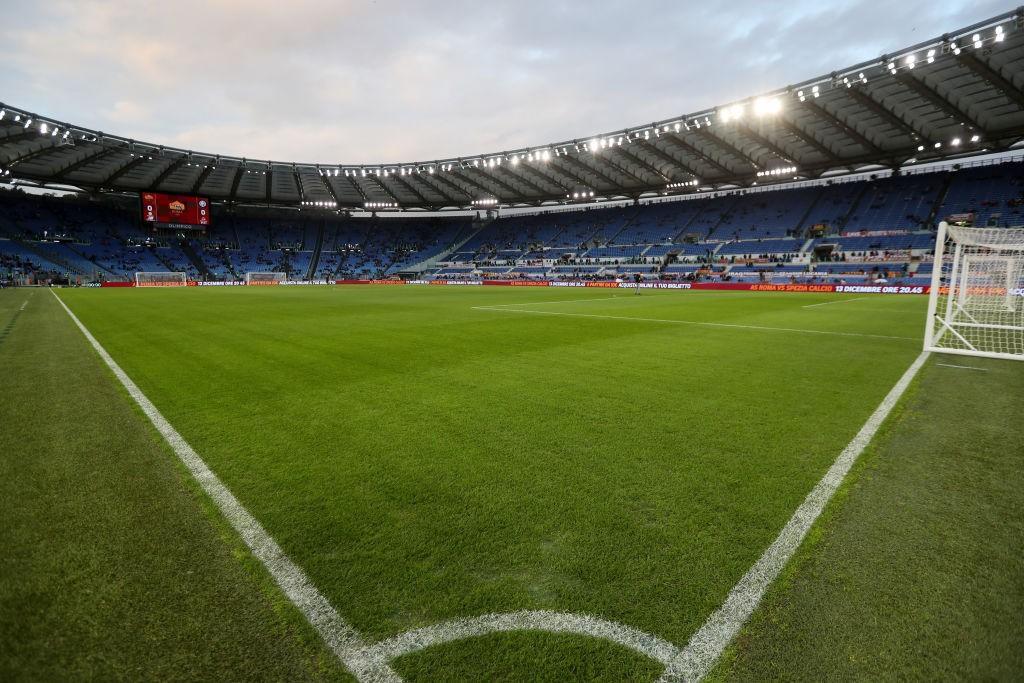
[{"x": 175, "y": 210}]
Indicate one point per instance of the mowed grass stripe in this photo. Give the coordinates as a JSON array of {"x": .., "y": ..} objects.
[
  {"x": 113, "y": 564},
  {"x": 914, "y": 572},
  {"x": 425, "y": 462}
]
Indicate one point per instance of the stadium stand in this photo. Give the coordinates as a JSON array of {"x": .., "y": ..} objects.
[{"x": 821, "y": 229}]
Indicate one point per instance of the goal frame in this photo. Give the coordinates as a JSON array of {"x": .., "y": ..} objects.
[
  {"x": 277, "y": 277},
  {"x": 940, "y": 323},
  {"x": 174, "y": 278}
]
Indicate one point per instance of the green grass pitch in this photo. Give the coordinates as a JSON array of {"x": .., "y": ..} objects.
[{"x": 427, "y": 453}]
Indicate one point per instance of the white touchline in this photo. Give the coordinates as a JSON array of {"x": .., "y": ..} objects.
[
  {"x": 346, "y": 643},
  {"x": 692, "y": 322},
  {"x": 965, "y": 367},
  {"x": 841, "y": 301},
  {"x": 708, "y": 643}
]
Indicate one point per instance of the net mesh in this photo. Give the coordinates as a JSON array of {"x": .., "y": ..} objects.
[
  {"x": 264, "y": 278},
  {"x": 978, "y": 301},
  {"x": 160, "y": 279}
]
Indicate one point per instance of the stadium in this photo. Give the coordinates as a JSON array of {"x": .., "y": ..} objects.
[{"x": 729, "y": 395}]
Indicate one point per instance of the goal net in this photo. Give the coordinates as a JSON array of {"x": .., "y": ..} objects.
[
  {"x": 160, "y": 279},
  {"x": 976, "y": 305},
  {"x": 265, "y": 278}
]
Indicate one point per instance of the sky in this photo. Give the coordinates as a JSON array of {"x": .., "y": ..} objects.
[{"x": 380, "y": 81}]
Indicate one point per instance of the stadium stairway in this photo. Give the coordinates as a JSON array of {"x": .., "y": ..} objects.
[
  {"x": 195, "y": 260},
  {"x": 314, "y": 260},
  {"x": 461, "y": 238}
]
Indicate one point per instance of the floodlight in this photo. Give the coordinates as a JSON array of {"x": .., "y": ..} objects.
[
  {"x": 975, "y": 138},
  {"x": 999, "y": 34},
  {"x": 955, "y": 142},
  {"x": 977, "y": 41},
  {"x": 931, "y": 56},
  {"x": 765, "y": 106}
]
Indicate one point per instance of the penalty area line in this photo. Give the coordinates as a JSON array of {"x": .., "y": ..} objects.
[
  {"x": 709, "y": 642},
  {"x": 342, "y": 638}
]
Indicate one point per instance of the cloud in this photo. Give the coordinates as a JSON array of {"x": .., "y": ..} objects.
[{"x": 350, "y": 81}]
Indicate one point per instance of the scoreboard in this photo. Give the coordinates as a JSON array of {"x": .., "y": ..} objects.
[{"x": 175, "y": 210}]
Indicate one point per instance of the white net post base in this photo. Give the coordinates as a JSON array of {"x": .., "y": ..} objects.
[
  {"x": 160, "y": 279},
  {"x": 265, "y": 278},
  {"x": 976, "y": 303}
]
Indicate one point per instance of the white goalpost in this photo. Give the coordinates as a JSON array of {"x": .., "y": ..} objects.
[
  {"x": 253, "y": 278},
  {"x": 976, "y": 303},
  {"x": 160, "y": 279}
]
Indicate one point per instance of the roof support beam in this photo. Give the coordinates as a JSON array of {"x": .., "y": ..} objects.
[
  {"x": 586, "y": 168},
  {"x": 171, "y": 168},
  {"x": 653, "y": 170},
  {"x": 666, "y": 157},
  {"x": 982, "y": 68},
  {"x": 938, "y": 101},
  {"x": 808, "y": 138},
  {"x": 421, "y": 179},
  {"x": 513, "y": 192},
  {"x": 679, "y": 141},
  {"x": 526, "y": 181},
  {"x": 202, "y": 178},
  {"x": 328, "y": 186},
  {"x": 457, "y": 172},
  {"x": 269, "y": 187},
  {"x": 440, "y": 180},
  {"x": 401, "y": 181},
  {"x": 709, "y": 134},
  {"x": 557, "y": 177},
  {"x": 847, "y": 130},
  {"x": 30, "y": 155},
  {"x": 125, "y": 169},
  {"x": 236, "y": 180},
  {"x": 384, "y": 188},
  {"x": 356, "y": 187},
  {"x": 607, "y": 159},
  {"x": 863, "y": 97},
  {"x": 68, "y": 170},
  {"x": 766, "y": 143}
]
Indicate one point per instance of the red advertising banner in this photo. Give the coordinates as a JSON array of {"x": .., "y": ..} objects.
[{"x": 175, "y": 209}]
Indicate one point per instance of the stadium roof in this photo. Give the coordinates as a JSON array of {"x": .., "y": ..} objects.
[{"x": 957, "y": 95}]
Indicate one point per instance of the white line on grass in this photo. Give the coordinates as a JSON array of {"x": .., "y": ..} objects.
[
  {"x": 708, "y": 643},
  {"x": 693, "y": 322},
  {"x": 23, "y": 305},
  {"x": 544, "y": 621},
  {"x": 965, "y": 367},
  {"x": 841, "y": 301},
  {"x": 562, "y": 301},
  {"x": 346, "y": 643}
]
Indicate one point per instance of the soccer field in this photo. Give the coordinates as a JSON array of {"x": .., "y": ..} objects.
[{"x": 428, "y": 454}]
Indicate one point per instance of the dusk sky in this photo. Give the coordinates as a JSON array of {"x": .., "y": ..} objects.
[{"x": 386, "y": 81}]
